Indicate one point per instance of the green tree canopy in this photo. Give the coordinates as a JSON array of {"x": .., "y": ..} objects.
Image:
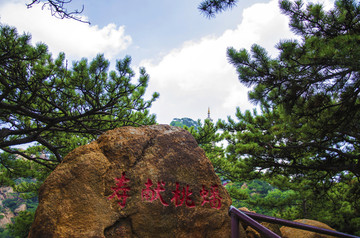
[
  {"x": 305, "y": 138},
  {"x": 211, "y": 7},
  {"x": 309, "y": 97},
  {"x": 185, "y": 121},
  {"x": 57, "y": 107}
]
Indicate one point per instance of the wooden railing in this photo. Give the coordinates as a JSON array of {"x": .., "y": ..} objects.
[{"x": 249, "y": 219}]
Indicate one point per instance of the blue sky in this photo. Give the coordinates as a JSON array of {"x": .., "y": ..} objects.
[
  {"x": 157, "y": 26},
  {"x": 183, "y": 52}
]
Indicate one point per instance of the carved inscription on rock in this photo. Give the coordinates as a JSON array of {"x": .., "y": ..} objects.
[{"x": 182, "y": 194}]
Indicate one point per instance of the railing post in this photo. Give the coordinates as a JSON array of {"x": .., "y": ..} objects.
[
  {"x": 251, "y": 222},
  {"x": 234, "y": 225}
]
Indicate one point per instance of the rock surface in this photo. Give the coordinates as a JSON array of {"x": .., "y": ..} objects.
[
  {"x": 252, "y": 233},
  {"x": 151, "y": 181},
  {"x": 5, "y": 217},
  {"x": 20, "y": 208},
  {"x": 6, "y": 214},
  {"x": 288, "y": 232}
]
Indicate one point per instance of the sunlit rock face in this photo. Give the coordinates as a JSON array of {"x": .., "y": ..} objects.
[
  {"x": 150, "y": 181},
  {"x": 288, "y": 232}
]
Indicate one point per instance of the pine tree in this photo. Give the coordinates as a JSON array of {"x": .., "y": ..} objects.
[
  {"x": 306, "y": 135},
  {"x": 48, "y": 108},
  {"x": 309, "y": 97},
  {"x": 54, "y": 108},
  {"x": 211, "y": 7}
]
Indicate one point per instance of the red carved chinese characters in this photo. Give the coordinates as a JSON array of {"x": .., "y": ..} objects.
[
  {"x": 179, "y": 196},
  {"x": 214, "y": 199},
  {"x": 188, "y": 201},
  {"x": 148, "y": 193},
  {"x": 160, "y": 188},
  {"x": 204, "y": 194},
  {"x": 121, "y": 189},
  {"x": 152, "y": 194}
]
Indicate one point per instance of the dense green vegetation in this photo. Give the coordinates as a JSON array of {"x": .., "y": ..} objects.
[
  {"x": 23, "y": 219},
  {"x": 212, "y": 7},
  {"x": 336, "y": 205},
  {"x": 182, "y": 122},
  {"x": 305, "y": 139},
  {"x": 65, "y": 107},
  {"x": 53, "y": 108}
]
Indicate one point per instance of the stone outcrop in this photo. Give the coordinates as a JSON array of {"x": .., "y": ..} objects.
[
  {"x": 22, "y": 207},
  {"x": 5, "y": 217},
  {"x": 288, "y": 232},
  {"x": 151, "y": 181},
  {"x": 5, "y": 193},
  {"x": 6, "y": 214}
]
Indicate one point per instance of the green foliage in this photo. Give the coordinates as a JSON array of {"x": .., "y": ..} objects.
[
  {"x": 65, "y": 107},
  {"x": 23, "y": 220},
  {"x": 305, "y": 139},
  {"x": 12, "y": 203},
  {"x": 237, "y": 194},
  {"x": 205, "y": 134},
  {"x": 336, "y": 207},
  {"x": 50, "y": 108},
  {"x": 208, "y": 138},
  {"x": 309, "y": 96},
  {"x": 5, "y": 233},
  {"x": 260, "y": 187},
  {"x": 32, "y": 204},
  {"x": 182, "y": 122},
  {"x": 22, "y": 224},
  {"x": 211, "y": 7},
  {"x": 309, "y": 99}
]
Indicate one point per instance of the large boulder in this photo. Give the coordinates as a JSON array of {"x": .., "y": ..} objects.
[
  {"x": 288, "y": 232},
  {"x": 150, "y": 181}
]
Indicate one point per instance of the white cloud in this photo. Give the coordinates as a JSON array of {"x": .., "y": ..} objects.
[
  {"x": 189, "y": 79},
  {"x": 74, "y": 38},
  {"x": 198, "y": 75}
]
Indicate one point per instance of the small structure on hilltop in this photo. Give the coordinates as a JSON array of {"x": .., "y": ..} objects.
[{"x": 209, "y": 117}]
